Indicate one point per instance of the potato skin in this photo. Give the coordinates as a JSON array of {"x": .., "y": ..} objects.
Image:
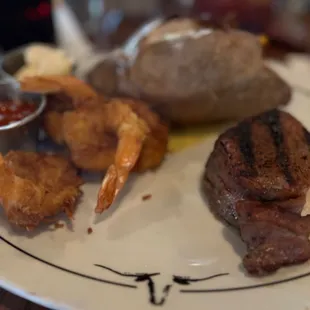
[
  {"x": 266, "y": 91},
  {"x": 191, "y": 65},
  {"x": 104, "y": 77},
  {"x": 197, "y": 79}
]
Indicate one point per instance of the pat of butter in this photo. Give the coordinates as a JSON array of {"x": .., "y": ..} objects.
[
  {"x": 186, "y": 137},
  {"x": 190, "y": 33},
  {"x": 44, "y": 60}
]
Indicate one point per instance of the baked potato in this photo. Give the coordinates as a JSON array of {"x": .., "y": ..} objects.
[{"x": 192, "y": 73}]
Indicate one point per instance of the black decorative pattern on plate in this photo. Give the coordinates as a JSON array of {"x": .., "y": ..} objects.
[
  {"x": 66, "y": 269},
  {"x": 148, "y": 277},
  {"x": 176, "y": 279}
]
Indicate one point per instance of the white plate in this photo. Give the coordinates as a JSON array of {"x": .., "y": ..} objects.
[
  {"x": 295, "y": 69},
  {"x": 162, "y": 252}
]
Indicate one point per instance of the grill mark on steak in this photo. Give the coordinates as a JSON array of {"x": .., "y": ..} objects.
[
  {"x": 273, "y": 123},
  {"x": 266, "y": 209},
  {"x": 244, "y": 134}
]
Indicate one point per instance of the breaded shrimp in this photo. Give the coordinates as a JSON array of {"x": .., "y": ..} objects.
[
  {"x": 36, "y": 186},
  {"x": 69, "y": 85},
  {"x": 121, "y": 136},
  {"x": 63, "y": 93}
]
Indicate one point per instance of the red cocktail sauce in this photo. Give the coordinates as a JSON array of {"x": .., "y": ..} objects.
[{"x": 11, "y": 111}]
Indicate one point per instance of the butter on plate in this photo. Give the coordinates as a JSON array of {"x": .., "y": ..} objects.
[
  {"x": 43, "y": 60},
  {"x": 180, "y": 139}
]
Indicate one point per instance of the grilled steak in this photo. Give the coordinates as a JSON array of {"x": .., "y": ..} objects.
[{"x": 257, "y": 179}]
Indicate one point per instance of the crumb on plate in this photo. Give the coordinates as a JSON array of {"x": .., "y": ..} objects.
[
  {"x": 146, "y": 197},
  {"x": 59, "y": 225}
]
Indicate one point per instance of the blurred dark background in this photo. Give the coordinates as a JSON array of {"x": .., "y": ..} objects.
[
  {"x": 286, "y": 22},
  {"x": 25, "y": 21},
  {"x": 109, "y": 22}
]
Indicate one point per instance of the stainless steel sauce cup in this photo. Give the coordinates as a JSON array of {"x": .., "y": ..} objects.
[{"x": 22, "y": 134}]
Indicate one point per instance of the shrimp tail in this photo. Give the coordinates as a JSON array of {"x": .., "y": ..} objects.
[
  {"x": 131, "y": 132},
  {"x": 127, "y": 155},
  {"x": 106, "y": 193}
]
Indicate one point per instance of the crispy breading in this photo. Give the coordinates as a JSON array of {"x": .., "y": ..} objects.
[
  {"x": 69, "y": 85},
  {"x": 121, "y": 136},
  {"x": 92, "y": 134},
  {"x": 35, "y": 186},
  {"x": 63, "y": 93}
]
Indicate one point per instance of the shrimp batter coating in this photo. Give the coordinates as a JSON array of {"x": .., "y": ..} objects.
[
  {"x": 76, "y": 90},
  {"x": 121, "y": 136},
  {"x": 64, "y": 93},
  {"x": 35, "y": 186}
]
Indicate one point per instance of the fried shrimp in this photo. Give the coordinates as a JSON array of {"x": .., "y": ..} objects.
[
  {"x": 69, "y": 85},
  {"x": 117, "y": 135},
  {"x": 121, "y": 136},
  {"x": 64, "y": 93},
  {"x": 131, "y": 132},
  {"x": 35, "y": 186}
]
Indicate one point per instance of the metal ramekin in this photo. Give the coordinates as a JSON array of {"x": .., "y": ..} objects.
[
  {"x": 22, "y": 134},
  {"x": 13, "y": 60}
]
